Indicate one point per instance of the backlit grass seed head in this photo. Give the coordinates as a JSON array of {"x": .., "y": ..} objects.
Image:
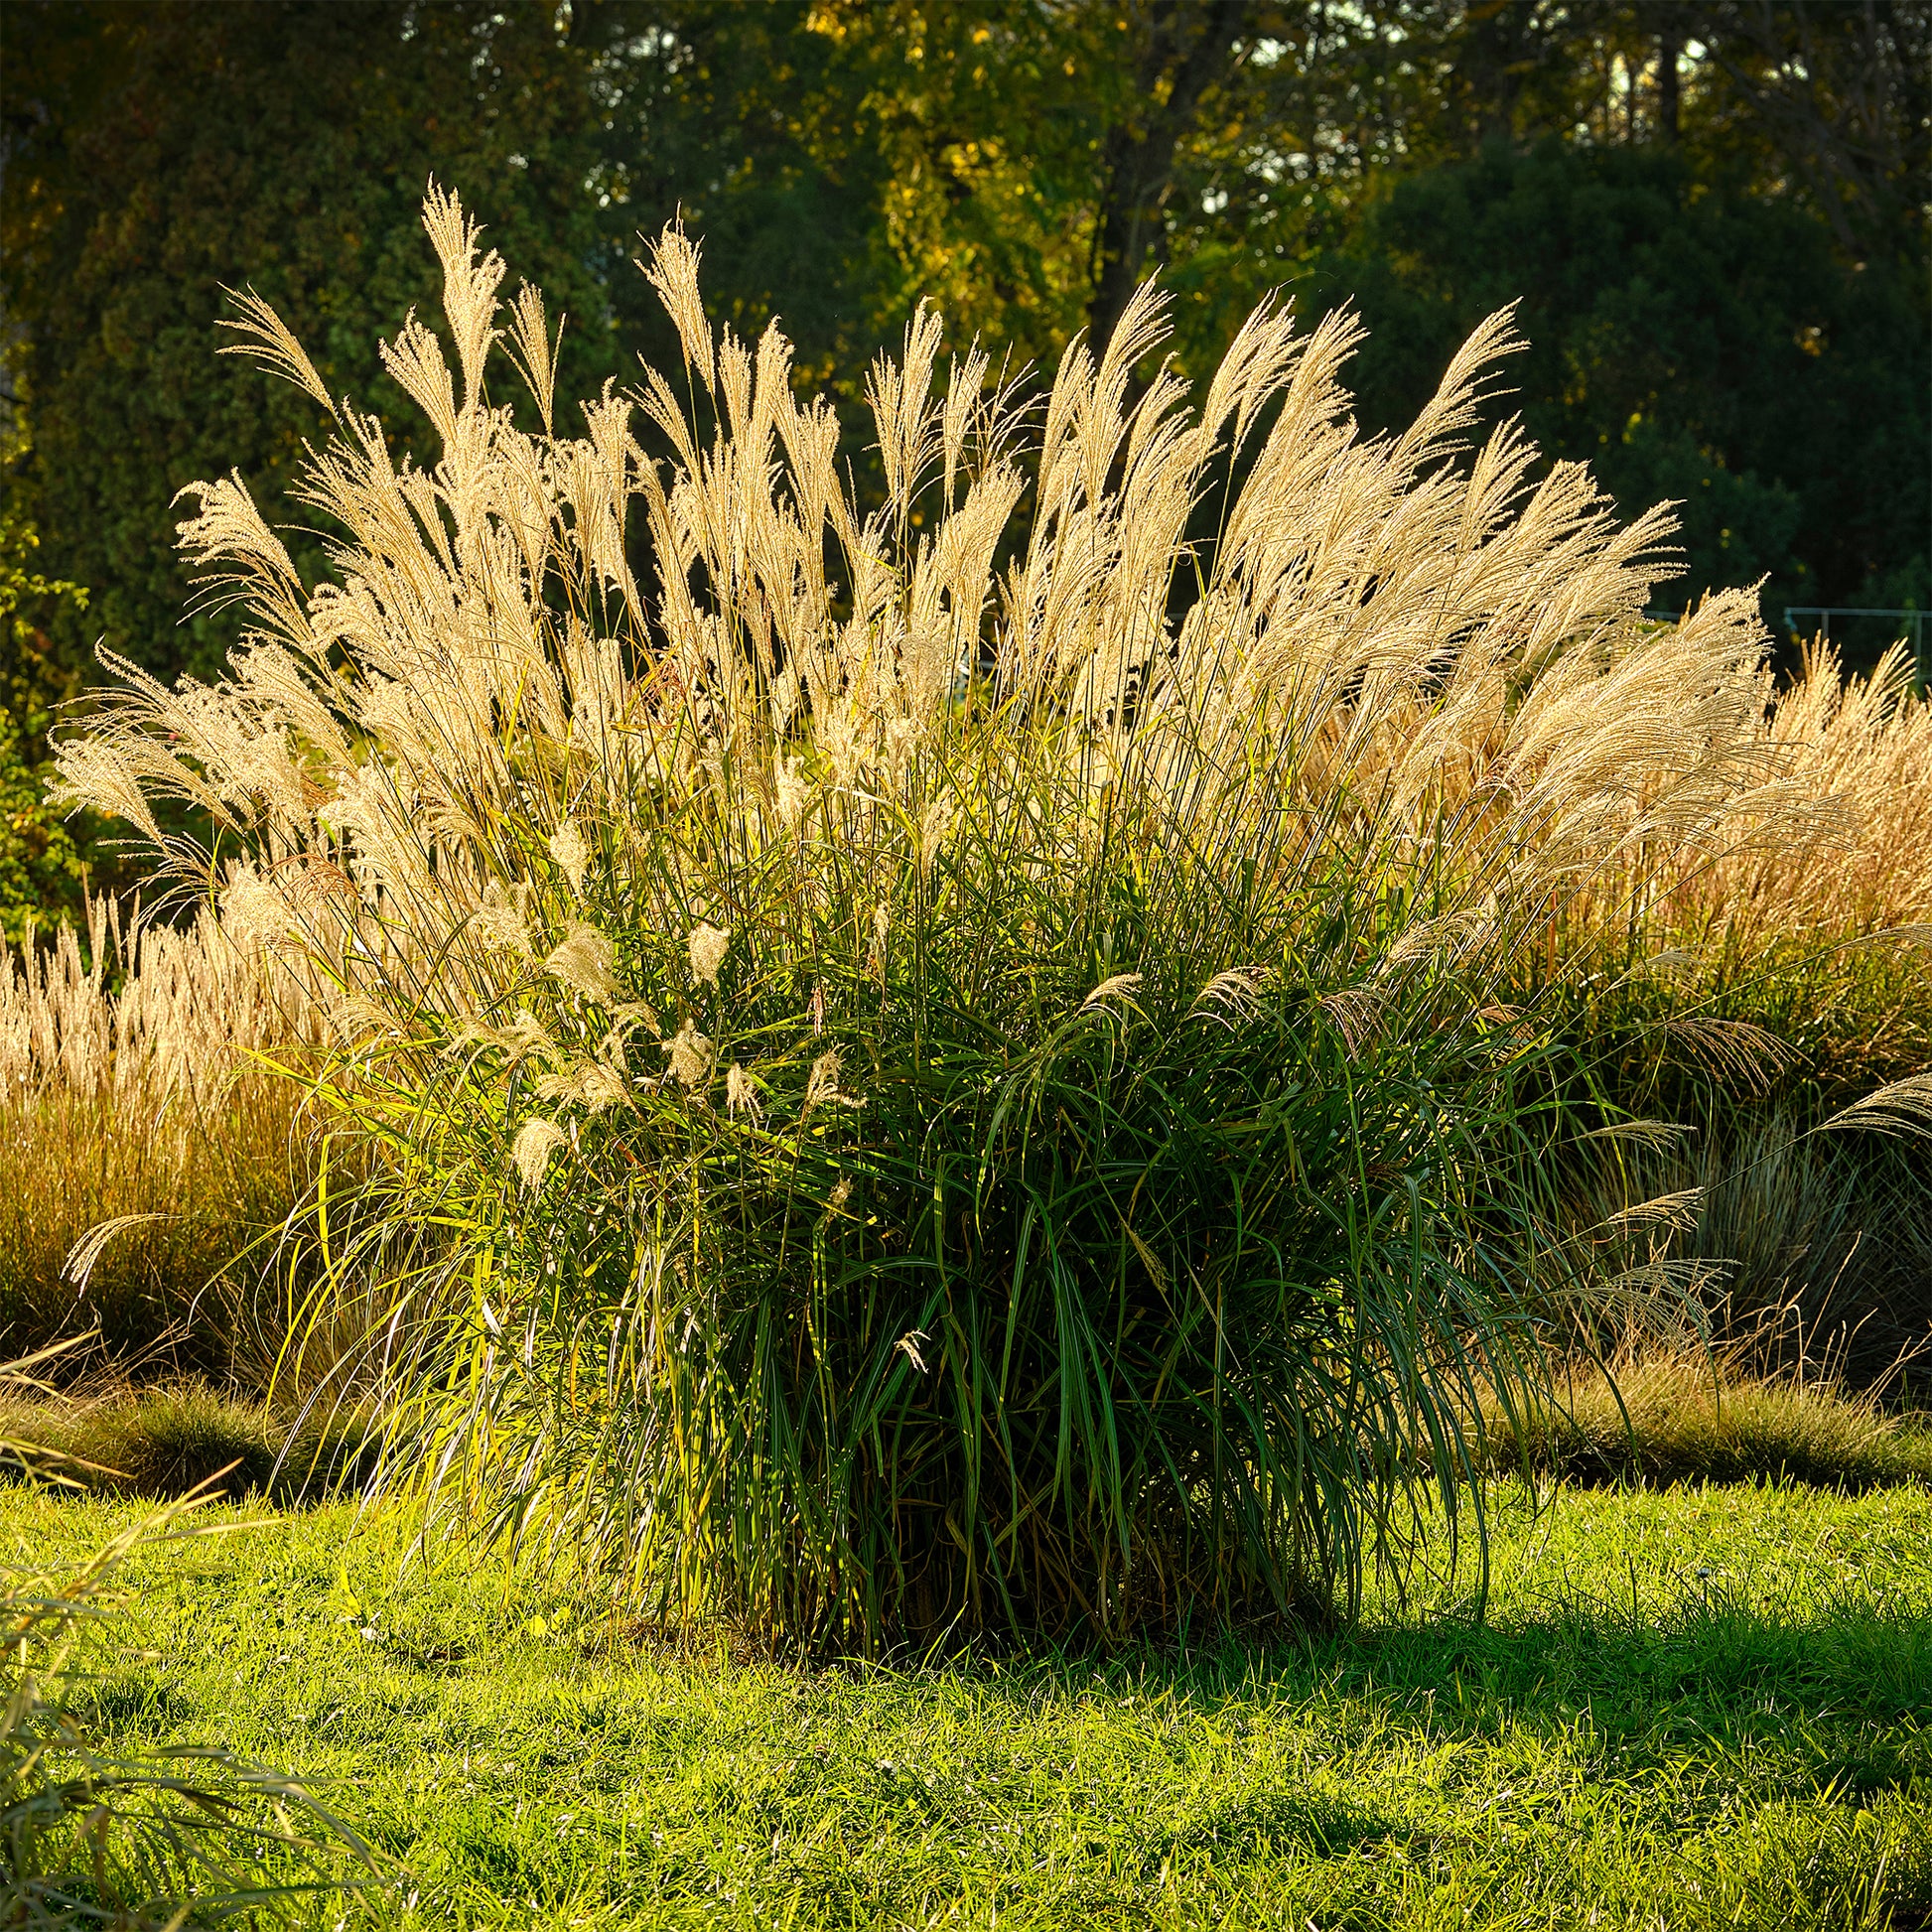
[
  {"x": 707, "y": 947},
  {"x": 1232, "y": 995},
  {"x": 672, "y": 271},
  {"x": 586, "y": 962},
  {"x": 502, "y": 919},
  {"x": 571, "y": 852},
  {"x": 691, "y": 1055},
  {"x": 822, "y": 1083},
  {"x": 536, "y": 1141},
  {"x": 742, "y": 1094},
  {"x": 789, "y": 791},
  {"x": 593, "y": 1085},
  {"x": 1119, "y": 987},
  {"x": 254, "y": 912}
]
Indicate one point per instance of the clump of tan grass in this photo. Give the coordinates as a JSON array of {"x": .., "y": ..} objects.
[
  {"x": 144, "y": 1144},
  {"x": 1816, "y": 928},
  {"x": 965, "y": 1068},
  {"x": 1866, "y": 744},
  {"x": 1691, "y": 1413},
  {"x": 1745, "y": 999},
  {"x": 169, "y": 1439}
]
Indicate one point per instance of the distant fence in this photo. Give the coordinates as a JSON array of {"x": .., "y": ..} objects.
[{"x": 1914, "y": 621}]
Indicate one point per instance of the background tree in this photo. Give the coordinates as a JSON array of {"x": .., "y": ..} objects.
[{"x": 1712, "y": 210}]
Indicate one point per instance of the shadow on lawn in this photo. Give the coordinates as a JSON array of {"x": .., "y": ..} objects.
[{"x": 1852, "y": 1681}]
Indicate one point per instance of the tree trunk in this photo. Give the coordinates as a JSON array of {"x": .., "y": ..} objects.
[
  {"x": 1670, "y": 43},
  {"x": 1492, "y": 58},
  {"x": 1189, "y": 48}
]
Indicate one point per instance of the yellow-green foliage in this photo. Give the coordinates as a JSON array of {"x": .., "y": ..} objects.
[
  {"x": 39, "y": 865},
  {"x": 94, "y": 1836},
  {"x": 1706, "y": 1710}
]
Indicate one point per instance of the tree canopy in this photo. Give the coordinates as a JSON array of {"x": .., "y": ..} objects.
[{"x": 1711, "y": 213}]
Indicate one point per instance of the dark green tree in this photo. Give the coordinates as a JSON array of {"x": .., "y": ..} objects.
[
  {"x": 157, "y": 153},
  {"x": 1681, "y": 191},
  {"x": 1689, "y": 339},
  {"x": 41, "y": 870}
]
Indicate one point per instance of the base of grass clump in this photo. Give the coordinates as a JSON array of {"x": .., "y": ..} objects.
[
  {"x": 172, "y": 1441},
  {"x": 1683, "y": 1419},
  {"x": 1663, "y": 1420}
]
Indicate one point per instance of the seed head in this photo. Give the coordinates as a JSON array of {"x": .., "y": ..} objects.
[
  {"x": 1122, "y": 987},
  {"x": 742, "y": 1096},
  {"x": 823, "y": 1083},
  {"x": 791, "y": 793},
  {"x": 253, "y": 913},
  {"x": 708, "y": 947},
  {"x": 500, "y": 918},
  {"x": 691, "y": 1055},
  {"x": 587, "y": 963},
  {"x": 571, "y": 852},
  {"x": 536, "y": 1141}
]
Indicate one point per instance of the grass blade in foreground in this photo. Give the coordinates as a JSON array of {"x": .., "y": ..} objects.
[{"x": 97, "y": 1836}]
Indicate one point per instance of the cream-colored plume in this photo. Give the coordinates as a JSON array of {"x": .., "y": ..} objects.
[{"x": 1405, "y": 656}]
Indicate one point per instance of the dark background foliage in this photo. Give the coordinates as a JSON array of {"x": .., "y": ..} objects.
[{"x": 1713, "y": 212}]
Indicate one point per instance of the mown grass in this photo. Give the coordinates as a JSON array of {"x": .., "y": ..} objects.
[{"x": 1711, "y": 1707}]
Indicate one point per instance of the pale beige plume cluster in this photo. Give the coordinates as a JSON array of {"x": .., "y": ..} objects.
[
  {"x": 151, "y": 1018},
  {"x": 432, "y": 761}
]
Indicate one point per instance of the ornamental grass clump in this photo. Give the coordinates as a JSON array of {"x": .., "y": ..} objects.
[
  {"x": 939, "y": 1066},
  {"x": 1762, "y": 991},
  {"x": 146, "y": 1152}
]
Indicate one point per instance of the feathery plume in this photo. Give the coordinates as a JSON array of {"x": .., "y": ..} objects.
[
  {"x": 590, "y": 1083},
  {"x": 790, "y": 792},
  {"x": 1117, "y": 986},
  {"x": 253, "y": 912},
  {"x": 672, "y": 271},
  {"x": 691, "y": 1055},
  {"x": 571, "y": 851},
  {"x": 502, "y": 921},
  {"x": 742, "y": 1094},
  {"x": 267, "y": 338},
  {"x": 587, "y": 962},
  {"x": 822, "y": 1083},
  {"x": 707, "y": 947},
  {"x": 536, "y": 1141}
]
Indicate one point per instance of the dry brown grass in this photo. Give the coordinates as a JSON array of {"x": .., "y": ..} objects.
[
  {"x": 145, "y": 1148},
  {"x": 1865, "y": 746},
  {"x": 1687, "y": 1414}
]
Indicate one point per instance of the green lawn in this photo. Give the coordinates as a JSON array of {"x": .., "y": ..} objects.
[{"x": 1700, "y": 1708}]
